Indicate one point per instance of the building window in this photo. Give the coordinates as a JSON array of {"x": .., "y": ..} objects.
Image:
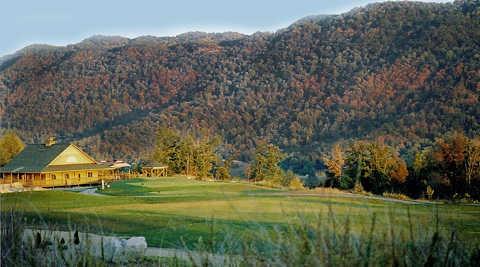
[
  {"x": 79, "y": 176},
  {"x": 43, "y": 176},
  {"x": 90, "y": 174},
  {"x": 53, "y": 176},
  {"x": 66, "y": 175}
]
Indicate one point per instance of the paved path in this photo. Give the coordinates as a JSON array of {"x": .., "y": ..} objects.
[
  {"x": 294, "y": 194},
  {"x": 91, "y": 191},
  {"x": 344, "y": 195},
  {"x": 196, "y": 257}
]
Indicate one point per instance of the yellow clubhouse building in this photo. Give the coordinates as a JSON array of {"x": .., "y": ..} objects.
[{"x": 52, "y": 165}]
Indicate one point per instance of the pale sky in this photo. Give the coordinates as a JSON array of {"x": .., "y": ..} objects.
[{"x": 61, "y": 22}]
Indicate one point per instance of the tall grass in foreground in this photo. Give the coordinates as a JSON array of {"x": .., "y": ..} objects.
[
  {"x": 304, "y": 241},
  {"x": 329, "y": 241},
  {"x": 17, "y": 251}
]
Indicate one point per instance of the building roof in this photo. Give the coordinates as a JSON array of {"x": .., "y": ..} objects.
[
  {"x": 154, "y": 164},
  {"x": 119, "y": 165},
  {"x": 34, "y": 158},
  {"x": 37, "y": 158}
]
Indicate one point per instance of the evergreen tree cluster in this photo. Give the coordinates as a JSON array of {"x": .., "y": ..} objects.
[{"x": 185, "y": 154}]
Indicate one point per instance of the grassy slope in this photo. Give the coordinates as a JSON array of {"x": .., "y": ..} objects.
[{"x": 163, "y": 210}]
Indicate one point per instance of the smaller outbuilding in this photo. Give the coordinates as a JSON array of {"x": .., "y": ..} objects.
[{"x": 152, "y": 169}]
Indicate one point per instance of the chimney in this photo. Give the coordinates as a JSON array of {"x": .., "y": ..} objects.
[{"x": 50, "y": 141}]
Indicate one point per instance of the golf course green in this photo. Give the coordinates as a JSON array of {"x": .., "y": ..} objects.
[{"x": 177, "y": 212}]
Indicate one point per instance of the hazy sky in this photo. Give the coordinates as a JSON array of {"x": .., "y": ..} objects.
[{"x": 61, "y": 22}]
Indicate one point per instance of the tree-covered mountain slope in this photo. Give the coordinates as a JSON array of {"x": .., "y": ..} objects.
[{"x": 403, "y": 71}]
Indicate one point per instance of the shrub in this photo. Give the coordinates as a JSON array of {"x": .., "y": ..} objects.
[
  {"x": 396, "y": 196},
  {"x": 430, "y": 192},
  {"x": 329, "y": 190},
  {"x": 296, "y": 184},
  {"x": 287, "y": 178},
  {"x": 222, "y": 173}
]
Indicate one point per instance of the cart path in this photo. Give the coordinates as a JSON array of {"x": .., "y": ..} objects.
[
  {"x": 199, "y": 258},
  {"x": 91, "y": 192}
]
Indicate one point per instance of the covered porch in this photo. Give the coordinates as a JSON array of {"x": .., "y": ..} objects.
[{"x": 60, "y": 178}]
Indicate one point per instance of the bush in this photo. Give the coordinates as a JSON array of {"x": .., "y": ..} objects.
[
  {"x": 328, "y": 190},
  {"x": 287, "y": 178},
  {"x": 296, "y": 184},
  {"x": 396, "y": 196},
  {"x": 222, "y": 173},
  {"x": 465, "y": 198}
]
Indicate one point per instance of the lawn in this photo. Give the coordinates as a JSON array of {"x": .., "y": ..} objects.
[{"x": 175, "y": 211}]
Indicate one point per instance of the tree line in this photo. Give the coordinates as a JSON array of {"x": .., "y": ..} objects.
[
  {"x": 201, "y": 156},
  {"x": 450, "y": 168}
]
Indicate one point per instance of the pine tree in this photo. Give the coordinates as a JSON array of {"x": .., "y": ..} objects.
[{"x": 265, "y": 165}]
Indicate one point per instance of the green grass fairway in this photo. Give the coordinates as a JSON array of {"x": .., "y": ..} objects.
[{"x": 167, "y": 210}]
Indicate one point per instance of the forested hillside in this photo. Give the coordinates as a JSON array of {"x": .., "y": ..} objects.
[{"x": 403, "y": 71}]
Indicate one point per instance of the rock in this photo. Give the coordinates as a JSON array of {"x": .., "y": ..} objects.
[
  {"x": 17, "y": 187},
  {"x": 136, "y": 246},
  {"x": 114, "y": 249},
  {"x": 130, "y": 250},
  {"x": 76, "y": 245}
]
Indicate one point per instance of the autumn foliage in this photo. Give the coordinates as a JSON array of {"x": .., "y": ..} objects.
[
  {"x": 403, "y": 71},
  {"x": 449, "y": 168},
  {"x": 375, "y": 166},
  {"x": 10, "y": 146}
]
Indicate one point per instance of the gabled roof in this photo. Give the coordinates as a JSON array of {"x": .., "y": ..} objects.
[
  {"x": 34, "y": 158},
  {"x": 154, "y": 164}
]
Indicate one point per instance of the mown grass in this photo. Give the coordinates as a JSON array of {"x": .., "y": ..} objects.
[{"x": 177, "y": 212}]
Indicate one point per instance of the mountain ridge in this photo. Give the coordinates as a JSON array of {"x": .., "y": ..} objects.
[{"x": 392, "y": 70}]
